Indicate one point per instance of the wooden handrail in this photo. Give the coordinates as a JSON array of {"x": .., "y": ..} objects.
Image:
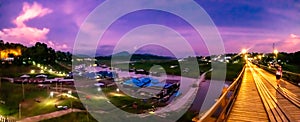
[{"x": 224, "y": 102}]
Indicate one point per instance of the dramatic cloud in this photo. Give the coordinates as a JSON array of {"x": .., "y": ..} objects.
[
  {"x": 30, "y": 12},
  {"x": 290, "y": 44},
  {"x": 23, "y": 33}
]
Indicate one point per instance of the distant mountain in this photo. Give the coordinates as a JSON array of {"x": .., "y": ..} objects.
[
  {"x": 134, "y": 57},
  {"x": 121, "y": 54}
]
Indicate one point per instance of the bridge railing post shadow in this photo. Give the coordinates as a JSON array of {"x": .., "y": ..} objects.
[{"x": 221, "y": 109}]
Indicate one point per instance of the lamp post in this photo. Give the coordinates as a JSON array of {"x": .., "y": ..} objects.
[
  {"x": 70, "y": 93},
  {"x": 244, "y": 52},
  {"x": 20, "y": 107},
  {"x": 0, "y": 84},
  {"x": 23, "y": 91},
  {"x": 275, "y": 51}
]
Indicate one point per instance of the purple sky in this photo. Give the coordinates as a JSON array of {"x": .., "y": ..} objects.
[{"x": 255, "y": 25}]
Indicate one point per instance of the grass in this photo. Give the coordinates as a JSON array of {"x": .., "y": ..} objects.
[
  {"x": 233, "y": 69},
  {"x": 15, "y": 70},
  {"x": 80, "y": 117},
  {"x": 18, "y": 70},
  {"x": 12, "y": 95},
  {"x": 291, "y": 68}
]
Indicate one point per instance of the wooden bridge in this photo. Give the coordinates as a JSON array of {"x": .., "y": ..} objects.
[{"x": 255, "y": 96}]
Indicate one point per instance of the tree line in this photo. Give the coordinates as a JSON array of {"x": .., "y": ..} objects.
[{"x": 40, "y": 53}]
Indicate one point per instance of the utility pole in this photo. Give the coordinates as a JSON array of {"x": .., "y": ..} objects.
[
  {"x": 23, "y": 90},
  {"x": 60, "y": 87},
  {"x": 20, "y": 106},
  {"x": 0, "y": 85},
  {"x": 56, "y": 86}
]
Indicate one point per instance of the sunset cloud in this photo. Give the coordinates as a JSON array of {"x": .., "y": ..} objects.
[
  {"x": 294, "y": 36},
  {"x": 57, "y": 46},
  {"x": 30, "y": 12},
  {"x": 23, "y": 33}
]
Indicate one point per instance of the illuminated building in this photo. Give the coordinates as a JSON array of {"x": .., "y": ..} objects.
[{"x": 4, "y": 54}]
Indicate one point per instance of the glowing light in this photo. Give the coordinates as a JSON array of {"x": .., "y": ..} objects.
[
  {"x": 246, "y": 57},
  {"x": 68, "y": 95},
  {"x": 98, "y": 89},
  {"x": 51, "y": 94},
  {"x": 151, "y": 112},
  {"x": 116, "y": 94},
  {"x": 259, "y": 56},
  {"x": 49, "y": 102},
  {"x": 38, "y": 65},
  {"x": 32, "y": 71},
  {"x": 244, "y": 51},
  {"x": 275, "y": 51},
  {"x": 6, "y": 52},
  {"x": 42, "y": 71},
  {"x": 118, "y": 90},
  {"x": 70, "y": 92}
]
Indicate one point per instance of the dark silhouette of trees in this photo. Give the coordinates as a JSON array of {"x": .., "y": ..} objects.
[{"x": 40, "y": 53}]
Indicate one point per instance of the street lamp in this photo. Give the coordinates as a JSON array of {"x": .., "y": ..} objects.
[
  {"x": 275, "y": 51},
  {"x": 244, "y": 51},
  {"x": 32, "y": 71},
  {"x": 51, "y": 94},
  {"x": 259, "y": 57},
  {"x": 70, "y": 92},
  {"x": 23, "y": 90}
]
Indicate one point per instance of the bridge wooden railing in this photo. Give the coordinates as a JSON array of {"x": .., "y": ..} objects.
[{"x": 221, "y": 109}]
